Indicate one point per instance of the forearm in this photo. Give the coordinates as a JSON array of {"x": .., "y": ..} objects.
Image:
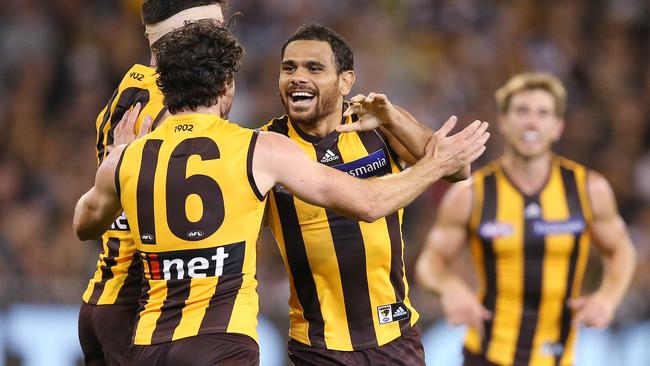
[
  {"x": 371, "y": 199},
  {"x": 618, "y": 270},
  {"x": 392, "y": 192},
  {"x": 435, "y": 275},
  {"x": 408, "y": 132}
]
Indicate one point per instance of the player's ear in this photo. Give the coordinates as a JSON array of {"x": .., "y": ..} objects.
[
  {"x": 559, "y": 129},
  {"x": 501, "y": 122},
  {"x": 346, "y": 80}
]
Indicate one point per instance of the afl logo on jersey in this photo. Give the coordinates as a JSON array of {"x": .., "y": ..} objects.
[
  {"x": 195, "y": 234},
  {"x": 146, "y": 237},
  {"x": 493, "y": 229}
]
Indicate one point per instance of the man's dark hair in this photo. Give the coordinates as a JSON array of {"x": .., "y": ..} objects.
[
  {"x": 343, "y": 56},
  {"x": 196, "y": 63},
  {"x": 155, "y": 11}
]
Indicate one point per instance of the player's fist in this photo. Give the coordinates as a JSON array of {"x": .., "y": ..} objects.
[
  {"x": 595, "y": 310},
  {"x": 461, "y": 307}
]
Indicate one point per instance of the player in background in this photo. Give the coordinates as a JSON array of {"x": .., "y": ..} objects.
[
  {"x": 349, "y": 299},
  {"x": 195, "y": 190},
  {"x": 110, "y": 301},
  {"x": 529, "y": 218}
]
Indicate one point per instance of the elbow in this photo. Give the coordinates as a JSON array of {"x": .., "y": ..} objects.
[
  {"x": 85, "y": 235},
  {"x": 370, "y": 212}
]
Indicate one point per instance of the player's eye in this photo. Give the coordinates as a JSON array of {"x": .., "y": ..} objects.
[{"x": 315, "y": 69}]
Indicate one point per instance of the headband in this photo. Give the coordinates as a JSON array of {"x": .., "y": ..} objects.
[{"x": 155, "y": 31}]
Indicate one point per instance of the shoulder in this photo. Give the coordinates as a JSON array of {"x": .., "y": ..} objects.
[
  {"x": 598, "y": 186},
  {"x": 456, "y": 205},
  {"x": 601, "y": 195},
  {"x": 278, "y": 125}
]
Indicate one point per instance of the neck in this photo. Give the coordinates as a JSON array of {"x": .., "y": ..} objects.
[
  {"x": 529, "y": 174},
  {"x": 214, "y": 110},
  {"x": 326, "y": 124},
  {"x": 152, "y": 60}
]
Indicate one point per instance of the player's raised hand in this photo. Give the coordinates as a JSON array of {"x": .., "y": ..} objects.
[
  {"x": 453, "y": 153},
  {"x": 373, "y": 110},
  {"x": 461, "y": 307},
  {"x": 595, "y": 310}
]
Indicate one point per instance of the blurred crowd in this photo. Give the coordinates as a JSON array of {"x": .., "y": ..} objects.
[{"x": 60, "y": 60}]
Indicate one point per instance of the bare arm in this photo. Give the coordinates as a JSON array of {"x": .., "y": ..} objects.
[
  {"x": 443, "y": 245},
  {"x": 278, "y": 160},
  {"x": 611, "y": 238},
  {"x": 406, "y": 136},
  {"x": 98, "y": 208}
]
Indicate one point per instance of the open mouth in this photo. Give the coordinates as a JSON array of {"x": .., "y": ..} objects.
[
  {"x": 301, "y": 97},
  {"x": 531, "y": 136}
]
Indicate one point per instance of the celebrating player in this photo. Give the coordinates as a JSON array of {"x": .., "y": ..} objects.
[
  {"x": 529, "y": 218},
  {"x": 110, "y": 302},
  {"x": 349, "y": 295},
  {"x": 195, "y": 189}
]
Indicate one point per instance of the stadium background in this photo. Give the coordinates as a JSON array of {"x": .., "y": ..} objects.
[{"x": 61, "y": 59}]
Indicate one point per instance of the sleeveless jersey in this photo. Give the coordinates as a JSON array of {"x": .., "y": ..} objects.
[
  {"x": 348, "y": 287},
  {"x": 530, "y": 254},
  {"x": 118, "y": 275},
  {"x": 195, "y": 214}
]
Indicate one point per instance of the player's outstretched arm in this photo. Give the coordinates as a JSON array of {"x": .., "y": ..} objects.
[
  {"x": 406, "y": 136},
  {"x": 98, "y": 208},
  {"x": 279, "y": 160},
  {"x": 443, "y": 245},
  {"x": 612, "y": 240}
]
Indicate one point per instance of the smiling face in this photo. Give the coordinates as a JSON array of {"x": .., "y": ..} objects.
[
  {"x": 310, "y": 86},
  {"x": 530, "y": 125}
]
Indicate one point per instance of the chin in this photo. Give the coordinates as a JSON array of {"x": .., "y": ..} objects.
[{"x": 306, "y": 117}]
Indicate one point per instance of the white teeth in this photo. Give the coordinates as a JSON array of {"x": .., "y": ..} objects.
[
  {"x": 302, "y": 94},
  {"x": 531, "y": 136}
]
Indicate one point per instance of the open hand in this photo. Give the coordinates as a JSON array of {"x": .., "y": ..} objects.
[
  {"x": 125, "y": 130},
  {"x": 453, "y": 153}
]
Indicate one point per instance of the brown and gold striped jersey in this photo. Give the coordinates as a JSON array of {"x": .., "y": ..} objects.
[
  {"x": 195, "y": 216},
  {"x": 348, "y": 288},
  {"x": 118, "y": 275},
  {"x": 530, "y": 254}
]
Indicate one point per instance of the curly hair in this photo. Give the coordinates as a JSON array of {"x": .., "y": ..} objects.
[{"x": 196, "y": 63}]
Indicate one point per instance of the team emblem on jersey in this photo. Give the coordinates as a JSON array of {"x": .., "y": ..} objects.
[
  {"x": 392, "y": 312},
  {"x": 372, "y": 165},
  {"x": 573, "y": 225},
  {"x": 494, "y": 229}
]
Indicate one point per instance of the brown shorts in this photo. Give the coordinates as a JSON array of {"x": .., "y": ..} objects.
[
  {"x": 406, "y": 350},
  {"x": 105, "y": 333},
  {"x": 472, "y": 359},
  {"x": 223, "y": 349}
]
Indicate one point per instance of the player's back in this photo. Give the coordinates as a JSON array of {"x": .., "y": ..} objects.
[
  {"x": 118, "y": 274},
  {"x": 195, "y": 216}
]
